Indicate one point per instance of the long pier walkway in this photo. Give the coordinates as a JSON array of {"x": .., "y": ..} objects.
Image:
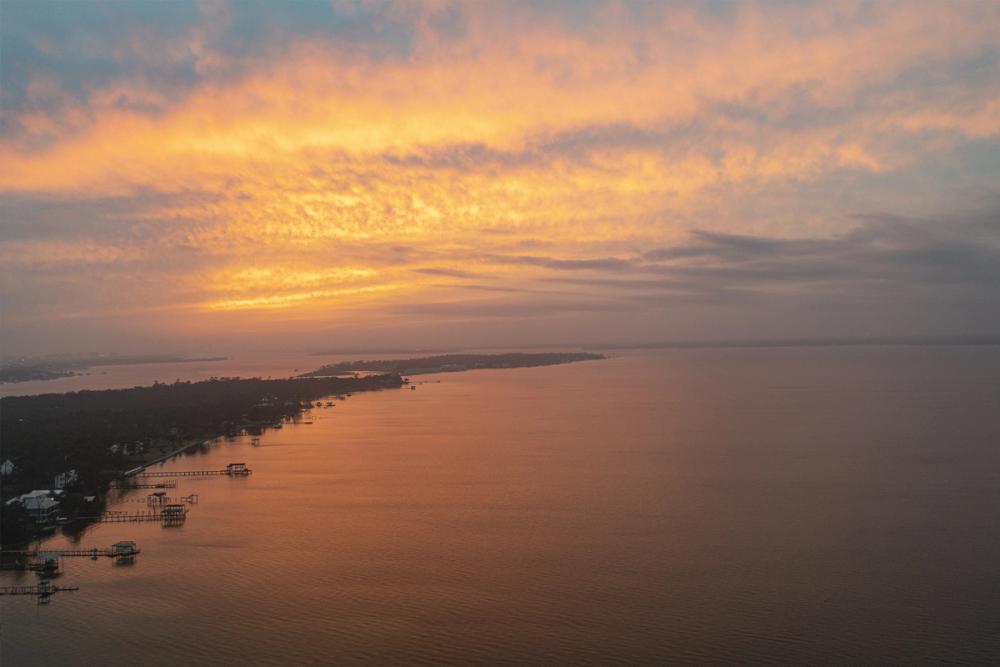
[
  {"x": 233, "y": 470},
  {"x": 43, "y": 589},
  {"x": 121, "y": 550},
  {"x": 126, "y": 485},
  {"x": 170, "y": 515},
  {"x": 155, "y": 499}
]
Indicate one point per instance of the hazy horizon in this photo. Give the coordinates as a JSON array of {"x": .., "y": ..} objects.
[
  {"x": 846, "y": 341},
  {"x": 227, "y": 175}
]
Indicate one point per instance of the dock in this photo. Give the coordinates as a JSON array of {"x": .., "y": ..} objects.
[
  {"x": 232, "y": 470},
  {"x": 94, "y": 553},
  {"x": 169, "y": 515},
  {"x": 49, "y": 562},
  {"x": 161, "y": 498},
  {"x": 126, "y": 485},
  {"x": 44, "y": 589}
]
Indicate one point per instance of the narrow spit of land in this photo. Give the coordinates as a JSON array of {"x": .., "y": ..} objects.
[{"x": 448, "y": 363}]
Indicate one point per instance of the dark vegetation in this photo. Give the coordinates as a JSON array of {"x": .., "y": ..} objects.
[
  {"x": 453, "y": 362},
  {"x": 100, "y": 433}
]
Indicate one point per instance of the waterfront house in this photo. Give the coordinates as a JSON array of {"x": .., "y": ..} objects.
[{"x": 39, "y": 504}]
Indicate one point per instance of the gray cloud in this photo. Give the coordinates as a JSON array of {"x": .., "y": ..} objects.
[
  {"x": 85, "y": 46},
  {"x": 41, "y": 217},
  {"x": 597, "y": 264},
  {"x": 502, "y": 308},
  {"x": 885, "y": 257},
  {"x": 451, "y": 273}
]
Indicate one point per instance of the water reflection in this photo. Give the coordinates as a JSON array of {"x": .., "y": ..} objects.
[{"x": 698, "y": 506}]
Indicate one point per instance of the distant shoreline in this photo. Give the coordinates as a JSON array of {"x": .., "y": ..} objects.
[
  {"x": 40, "y": 370},
  {"x": 452, "y": 363}
]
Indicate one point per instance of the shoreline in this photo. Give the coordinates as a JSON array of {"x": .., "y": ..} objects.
[
  {"x": 82, "y": 524},
  {"x": 111, "y": 422},
  {"x": 166, "y": 457}
]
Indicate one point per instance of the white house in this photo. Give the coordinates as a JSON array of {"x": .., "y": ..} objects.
[{"x": 39, "y": 504}]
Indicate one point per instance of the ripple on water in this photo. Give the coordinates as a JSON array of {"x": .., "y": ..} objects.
[{"x": 669, "y": 507}]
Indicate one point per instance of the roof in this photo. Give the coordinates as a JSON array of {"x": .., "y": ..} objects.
[{"x": 39, "y": 503}]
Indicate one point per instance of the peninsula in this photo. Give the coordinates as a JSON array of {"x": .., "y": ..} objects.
[{"x": 450, "y": 363}]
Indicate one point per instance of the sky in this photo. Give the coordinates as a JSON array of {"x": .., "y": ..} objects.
[{"x": 353, "y": 174}]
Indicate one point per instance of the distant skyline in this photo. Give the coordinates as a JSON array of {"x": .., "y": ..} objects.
[{"x": 440, "y": 175}]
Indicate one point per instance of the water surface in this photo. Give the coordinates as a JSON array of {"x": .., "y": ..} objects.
[{"x": 771, "y": 505}]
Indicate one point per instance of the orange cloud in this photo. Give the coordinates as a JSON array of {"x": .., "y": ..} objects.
[{"x": 575, "y": 141}]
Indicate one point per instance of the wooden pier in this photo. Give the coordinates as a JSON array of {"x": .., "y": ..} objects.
[
  {"x": 161, "y": 498},
  {"x": 124, "y": 484},
  {"x": 117, "y": 550},
  {"x": 49, "y": 563},
  {"x": 169, "y": 515},
  {"x": 44, "y": 589},
  {"x": 232, "y": 470}
]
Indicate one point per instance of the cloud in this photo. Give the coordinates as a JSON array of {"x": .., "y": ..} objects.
[
  {"x": 886, "y": 256},
  {"x": 233, "y": 159},
  {"x": 602, "y": 264},
  {"x": 451, "y": 273},
  {"x": 503, "y": 308}
]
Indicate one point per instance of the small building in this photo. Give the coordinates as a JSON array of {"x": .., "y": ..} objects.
[
  {"x": 173, "y": 513},
  {"x": 237, "y": 469},
  {"x": 39, "y": 505},
  {"x": 7, "y": 468},
  {"x": 64, "y": 479},
  {"x": 124, "y": 548},
  {"x": 46, "y": 562},
  {"x": 24, "y": 496}
]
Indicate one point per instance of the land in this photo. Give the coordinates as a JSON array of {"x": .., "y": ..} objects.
[
  {"x": 95, "y": 435},
  {"x": 449, "y": 363},
  {"x": 79, "y": 442},
  {"x": 27, "y": 369}
]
